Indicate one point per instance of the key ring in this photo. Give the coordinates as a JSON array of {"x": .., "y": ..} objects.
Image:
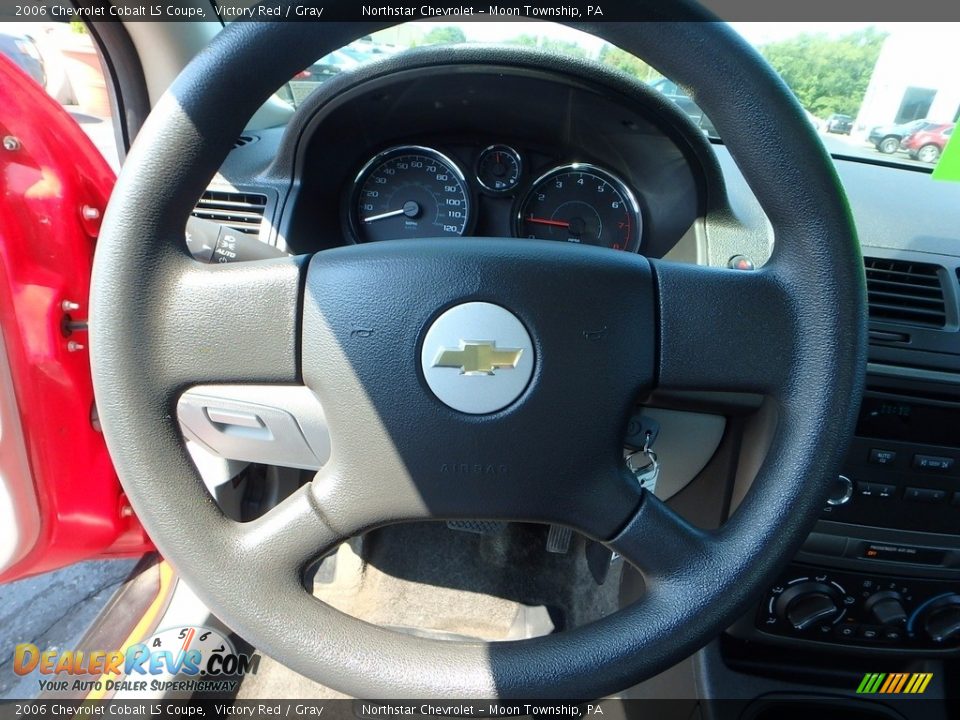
[
  {"x": 646, "y": 474},
  {"x": 650, "y": 454}
]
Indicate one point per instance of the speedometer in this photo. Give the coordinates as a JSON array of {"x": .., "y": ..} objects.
[
  {"x": 581, "y": 203},
  {"x": 410, "y": 192}
]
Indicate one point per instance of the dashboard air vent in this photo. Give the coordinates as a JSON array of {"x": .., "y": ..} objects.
[
  {"x": 245, "y": 140},
  {"x": 237, "y": 210},
  {"x": 909, "y": 293}
]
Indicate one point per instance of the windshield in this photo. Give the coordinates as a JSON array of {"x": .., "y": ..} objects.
[{"x": 885, "y": 92}]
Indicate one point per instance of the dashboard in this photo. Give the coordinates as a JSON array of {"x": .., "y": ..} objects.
[{"x": 482, "y": 143}]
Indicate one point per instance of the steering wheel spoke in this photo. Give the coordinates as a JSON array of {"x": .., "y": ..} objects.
[
  {"x": 233, "y": 323},
  {"x": 659, "y": 542},
  {"x": 289, "y": 536},
  {"x": 723, "y": 330}
]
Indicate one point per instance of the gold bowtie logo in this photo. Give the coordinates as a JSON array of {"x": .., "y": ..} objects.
[{"x": 478, "y": 358}]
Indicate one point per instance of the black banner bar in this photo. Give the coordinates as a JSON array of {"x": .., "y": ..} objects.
[
  {"x": 568, "y": 11},
  {"x": 772, "y": 705}
]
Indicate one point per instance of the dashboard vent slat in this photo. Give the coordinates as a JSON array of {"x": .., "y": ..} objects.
[
  {"x": 904, "y": 292},
  {"x": 237, "y": 210}
]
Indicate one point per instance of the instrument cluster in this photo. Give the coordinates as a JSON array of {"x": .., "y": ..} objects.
[{"x": 414, "y": 191}]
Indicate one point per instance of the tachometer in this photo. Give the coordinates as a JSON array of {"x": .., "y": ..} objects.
[
  {"x": 410, "y": 192},
  {"x": 581, "y": 203}
]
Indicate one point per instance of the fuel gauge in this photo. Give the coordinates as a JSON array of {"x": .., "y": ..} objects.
[{"x": 498, "y": 168}]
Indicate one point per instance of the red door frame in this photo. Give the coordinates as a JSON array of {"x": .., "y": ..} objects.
[{"x": 55, "y": 186}]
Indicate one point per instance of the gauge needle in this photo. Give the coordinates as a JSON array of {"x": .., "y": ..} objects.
[
  {"x": 544, "y": 221},
  {"x": 410, "y": 209}
]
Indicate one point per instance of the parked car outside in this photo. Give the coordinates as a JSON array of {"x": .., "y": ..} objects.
[
  {"x": 23, "y": 51},
  {"x": 814, "y": 120},
  {"x": 887, "y": 138},
  {"x": 838, "y": 123},
  {"x": 927, "y": 144},
  {"x": 306, "y": 81},
  {"x": 679, "y": 96}
]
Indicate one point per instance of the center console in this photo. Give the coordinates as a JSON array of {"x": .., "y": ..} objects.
[
  {"x": 875, "y": 589},
  {"x": 881, "y": 571}
]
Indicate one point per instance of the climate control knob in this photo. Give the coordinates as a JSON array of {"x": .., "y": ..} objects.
[
  {"x": 807, "y": 603},
  {"x": 942, "y": 620},
  {"x": 886, "y": 607}
]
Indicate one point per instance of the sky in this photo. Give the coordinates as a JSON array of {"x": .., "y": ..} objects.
[
  {"x": 755, "y": 32},
  {"x": 758, "y": 33}
]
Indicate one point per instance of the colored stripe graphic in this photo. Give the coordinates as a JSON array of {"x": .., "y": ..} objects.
[
  {"x": 891, "y": 681},
  {"x": 870, "y": 683},
  {"x": 901, "y": 683},
  {"x": 894, "y": 683},
  {"x": 949, "y": 166}
]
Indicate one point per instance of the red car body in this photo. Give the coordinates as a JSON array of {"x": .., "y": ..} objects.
[
  {"x": 55, "y": 186},
  {"x": 926, "y": 145}
]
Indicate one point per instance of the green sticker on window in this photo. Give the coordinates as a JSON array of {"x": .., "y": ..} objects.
[{"x": 949, "y": 166}]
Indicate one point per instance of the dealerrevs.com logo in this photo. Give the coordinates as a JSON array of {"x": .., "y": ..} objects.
[{"x": 184, "y": 659}]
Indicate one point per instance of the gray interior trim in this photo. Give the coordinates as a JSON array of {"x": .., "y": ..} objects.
[
  {"x": 269, "y": 424},
  {"x": 685, "y": 445}
]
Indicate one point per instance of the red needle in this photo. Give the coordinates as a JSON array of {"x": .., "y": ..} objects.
[{"x": 544, "y": 221}]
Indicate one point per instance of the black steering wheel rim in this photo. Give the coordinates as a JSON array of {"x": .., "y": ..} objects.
[{"x": 151, "y": 338}]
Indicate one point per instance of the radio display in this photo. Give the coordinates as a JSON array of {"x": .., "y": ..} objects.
[{"x": 886, "y": 419}]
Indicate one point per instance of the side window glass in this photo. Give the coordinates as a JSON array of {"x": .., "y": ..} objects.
[{"x": 65, "y": 61}]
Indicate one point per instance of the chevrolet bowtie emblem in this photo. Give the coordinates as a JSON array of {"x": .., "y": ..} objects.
[{"x": 478, "y": 358}]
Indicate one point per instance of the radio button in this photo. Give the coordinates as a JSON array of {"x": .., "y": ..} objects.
[
  {"x": 924, "y": 495},
  {"x": 846, "y": 630},
  {"x": 882, "y": 457},
  {"x": 877, "y": 490},
  {"x": 932, "y": 462},
  {"x": 892, "y": 635}
]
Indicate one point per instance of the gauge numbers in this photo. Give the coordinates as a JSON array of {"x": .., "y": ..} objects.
[
  {"x": 410, "y": 192},
  {"x": 581, "y": 203}
]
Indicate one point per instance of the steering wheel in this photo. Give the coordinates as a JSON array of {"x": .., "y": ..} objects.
[{"x": 598, "y": 330}]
